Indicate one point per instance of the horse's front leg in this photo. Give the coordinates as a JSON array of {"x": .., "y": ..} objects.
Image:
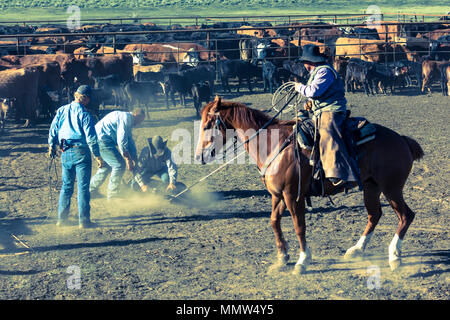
[
  {"x": 278, "y": 207},
  {"x": 297, "y": 210}
]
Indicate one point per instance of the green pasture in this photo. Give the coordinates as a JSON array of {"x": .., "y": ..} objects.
[{"x": 26, "y": 10}]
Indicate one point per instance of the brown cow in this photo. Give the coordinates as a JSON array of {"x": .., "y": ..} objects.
[
  {"x": 430, "y": 72},
  {"x": 434, "y": 35},
  {"x": 325, "y": 35},
  {"x": 259, "y": 33},
  {"x": 324, "y": 49},
  {"x": 22, "y": 85},
  {"x": 169, "y": 52},
  {"x": 393, "y": 31},
  {"x": 151, "y": 68},
  {"x": 119, "y": 64},
  {"x": 49, "y": 75},
  {"x": 445, "y": 79},
  {"x": 365, "y": 49}
]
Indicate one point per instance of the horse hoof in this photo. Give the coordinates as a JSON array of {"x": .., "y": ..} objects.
[
  {"x": 395, "y": 264},
  {"x": 353, "y": 252},
  {"x": 299, "y": 269}
]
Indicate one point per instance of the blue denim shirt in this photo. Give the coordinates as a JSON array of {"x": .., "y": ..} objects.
[
  {"x": 116, "y": 127},
  {"x": 73, "y": 123}
]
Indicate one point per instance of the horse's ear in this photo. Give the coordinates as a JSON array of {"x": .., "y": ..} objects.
[{"x": 217, "y": 104}]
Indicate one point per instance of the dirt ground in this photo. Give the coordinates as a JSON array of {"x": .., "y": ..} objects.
[{"x": 221, "y": 245}]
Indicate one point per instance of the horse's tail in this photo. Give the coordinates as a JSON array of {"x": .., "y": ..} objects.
[{"x": 415, "y": 148}]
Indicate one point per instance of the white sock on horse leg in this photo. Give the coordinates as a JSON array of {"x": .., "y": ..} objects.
[
  {"x": 395, "y": 248},
  {"x": 363, "y": 241}
]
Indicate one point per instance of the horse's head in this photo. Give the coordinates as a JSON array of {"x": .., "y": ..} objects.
[{"x": 212, "y": 135}]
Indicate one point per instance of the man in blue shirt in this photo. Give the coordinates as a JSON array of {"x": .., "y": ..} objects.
[
  {"x": 326, "y": 94},
  {"x": 117, "y": 148},
  {"x": 73, "y": 130}
]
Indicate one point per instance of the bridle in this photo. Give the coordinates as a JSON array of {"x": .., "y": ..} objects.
[{"x": 218, "y": 123}]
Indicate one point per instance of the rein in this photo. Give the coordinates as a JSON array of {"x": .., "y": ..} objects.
[{"x": 219, "y": 122}]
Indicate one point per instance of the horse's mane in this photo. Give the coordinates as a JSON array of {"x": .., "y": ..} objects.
[{"x": 240, "y": 114}]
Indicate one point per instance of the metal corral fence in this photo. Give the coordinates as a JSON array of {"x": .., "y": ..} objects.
[{"x": 212, "y": 39}]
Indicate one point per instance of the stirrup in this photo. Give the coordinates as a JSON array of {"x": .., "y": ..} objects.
[{"x": 337, "y": 182}]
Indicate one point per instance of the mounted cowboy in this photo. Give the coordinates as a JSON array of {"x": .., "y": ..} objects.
[{"x": 326, "y": 93}]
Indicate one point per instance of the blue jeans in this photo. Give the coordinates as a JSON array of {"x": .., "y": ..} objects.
[
  {"x": 114, "y": 164},
  {"x": 76, "y": 163}
]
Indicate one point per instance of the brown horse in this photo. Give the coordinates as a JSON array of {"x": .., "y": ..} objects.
[{"x": 384, "y": 163}]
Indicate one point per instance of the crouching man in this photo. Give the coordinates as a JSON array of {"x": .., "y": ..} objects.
[{"x": 155, "y": 159}]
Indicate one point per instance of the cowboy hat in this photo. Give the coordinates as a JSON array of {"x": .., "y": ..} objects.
[
  {"x": 159, "y": 145},
  {"x": 311, "y": 53}
]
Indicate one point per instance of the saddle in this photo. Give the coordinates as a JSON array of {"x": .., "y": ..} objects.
[
  {"x": 356, "y": 132},
  {"x": 358, "y": 129}
]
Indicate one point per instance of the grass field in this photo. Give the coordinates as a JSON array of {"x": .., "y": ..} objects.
[{"x": 46, "y": 10}]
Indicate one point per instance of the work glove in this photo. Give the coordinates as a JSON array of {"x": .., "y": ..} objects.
[
  {"x": 51, "y": 152},
  {"x": 297, "y": 86},
  {"x": 144, "y": 188}
]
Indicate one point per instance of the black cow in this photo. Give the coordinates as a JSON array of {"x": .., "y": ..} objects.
[
  {"x": 199, "y": 74},
  {"x": 98, "y": 99},
  {"x": 175, "y": 83},
  {"x": 296, "y": 70},
  {"x": 141, "y": 93},
  {"x": 149, "y": 76},
  {"x": 269, "y": 75},
  {"x": 243, "y": 70},
  {"x": 201, "y": 92},
  {"x": 440, "y": 49},
  {"x": 382, "y": 76},
  {"x": 110, "y": 83}
]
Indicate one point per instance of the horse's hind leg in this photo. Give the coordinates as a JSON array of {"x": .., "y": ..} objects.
[
  {"x": 373, "y": 206},
  {"x": 278, "y": 207},
  {"x": 405, "y": 217}
]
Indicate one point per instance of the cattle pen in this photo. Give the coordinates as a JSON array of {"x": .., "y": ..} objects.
[
  {"x": 218, "y": 39},
  {"x": 220, "y": 244}
]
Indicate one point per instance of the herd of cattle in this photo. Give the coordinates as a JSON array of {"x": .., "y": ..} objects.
[{"x": 41, "y": 72}]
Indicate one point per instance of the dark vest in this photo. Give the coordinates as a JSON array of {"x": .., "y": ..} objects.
[{"x": 334, "y": 98}]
